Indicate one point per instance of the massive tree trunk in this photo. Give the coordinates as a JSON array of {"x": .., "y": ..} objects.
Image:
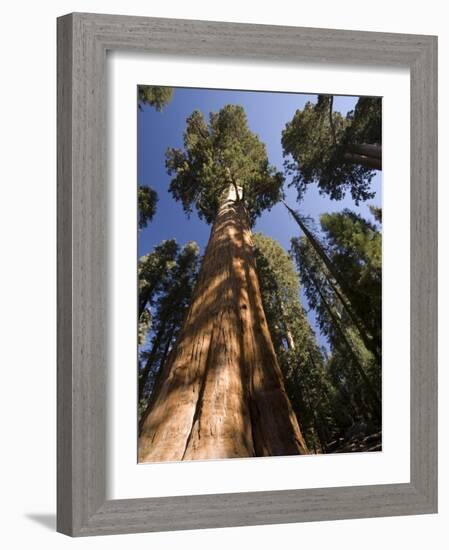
[{"x": 221, "y": 393}]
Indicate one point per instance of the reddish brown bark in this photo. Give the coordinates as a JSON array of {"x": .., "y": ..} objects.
[{"x": 221, "y": 393}]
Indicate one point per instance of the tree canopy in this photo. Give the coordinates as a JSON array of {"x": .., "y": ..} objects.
[
  {"x": 219, "y": 154},
  {"x": 169, "y": 306},
  {"x": 337, "y": 153},
  {"x": 280, "y": 289},
  {"x": 156, "y": 96},
  {"x": 303, "y": 364},
  {"x": 365, "y": 122},
  {"x": 355, "y": 247},
  {"x": 146, "y": 201},
  {"x": 152, "y": 270}
]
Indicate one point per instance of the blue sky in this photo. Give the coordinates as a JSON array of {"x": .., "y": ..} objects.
[{"x": 267, "y": 114}]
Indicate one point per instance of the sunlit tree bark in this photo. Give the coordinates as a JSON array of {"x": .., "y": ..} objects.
[{"x": 221, "y": 392}]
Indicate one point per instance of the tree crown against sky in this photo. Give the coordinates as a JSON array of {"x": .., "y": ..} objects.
[
  {"x": 156, "y": 96},
  {"x": 216, "y": 155},
  {"x": 147, "y": 200},
  {"x": 320, "y": 144},
  {"x": 365, "y": 122}
]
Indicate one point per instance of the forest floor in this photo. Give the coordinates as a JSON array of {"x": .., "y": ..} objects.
[{"x": 358, "y": 443}]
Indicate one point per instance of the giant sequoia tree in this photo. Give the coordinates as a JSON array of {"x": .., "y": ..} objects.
[
  {"x": 337, "y": 153},
  {"x": 221, "y": 392}
]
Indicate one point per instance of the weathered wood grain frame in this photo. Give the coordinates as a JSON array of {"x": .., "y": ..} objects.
[{"x": 83, "y": 40}]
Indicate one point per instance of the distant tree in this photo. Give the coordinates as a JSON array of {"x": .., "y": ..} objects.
[
  {"x": 301, "y": 360},
  {"x": 355, "y": 246},
  {"x": 146, "y": 202},
  {"x": 153, "y": 269},
  {"x": 156, "y": 96},
  {"x": 376, "y": 213},
  {"x": 279, "y": 286},
  {"x": 169, "y": 310},
  {"x": 221, "y": 392},
  {"x": 358, "y": 363},
  {"x": 342, "y": 286},
  {"x": 365, "y": 129},
  {"x": 144, "y": 326},
  {"x": 335, "y": 152}
]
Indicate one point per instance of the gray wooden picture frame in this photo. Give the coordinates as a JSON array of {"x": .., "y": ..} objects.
[{"x": 83, "y": 40}]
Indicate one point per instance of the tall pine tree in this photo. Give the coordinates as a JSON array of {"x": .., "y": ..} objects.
[{"x": 174, "y": 295}]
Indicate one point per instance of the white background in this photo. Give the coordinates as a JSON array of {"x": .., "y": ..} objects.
[
  {"x": 27, "y": 300},
  {"x": 130, "y": 480}
]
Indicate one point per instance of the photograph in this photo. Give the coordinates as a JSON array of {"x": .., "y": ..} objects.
[{"x": 259, "y": 273}]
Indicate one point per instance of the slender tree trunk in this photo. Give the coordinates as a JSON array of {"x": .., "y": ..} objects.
[
  {"x": 289, "y": 337},
  {"x": 151, "y": 358},
  {"x": 221, "y": 393},
  {"x": 287, "y": 331},
  {"x": 369, "y": 386},
  {"x": 167, "y": 346},
  {"x": 368, "y": 341},
  {"x": 144, "y": 298},
  {"x": 317, "y": 247},
  {"x": 345, "y": 300},
  {"x": 319, "y": 422}
]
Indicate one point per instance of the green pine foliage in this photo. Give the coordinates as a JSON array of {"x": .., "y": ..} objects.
[
  {"x": 300, "y": 358},
  {"x": 171, "y": 300},
  {"x": 146, "y": 202},
  {"x": 152, "y": 270},
  {"x": 319, "y": 147},
  {"x": 216, "y": 155},
  {"x": 376, "y": 213},
  {"x": 354, "y": 248},
  {"x": 155, "y": 96},
  {"x": 365, "y": 122}
]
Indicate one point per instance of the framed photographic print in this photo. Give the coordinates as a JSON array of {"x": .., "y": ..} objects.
[{"x": 246, "y": 274}]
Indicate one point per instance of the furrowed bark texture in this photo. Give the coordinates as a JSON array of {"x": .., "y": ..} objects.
[{"x": 221, "y": 393}]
